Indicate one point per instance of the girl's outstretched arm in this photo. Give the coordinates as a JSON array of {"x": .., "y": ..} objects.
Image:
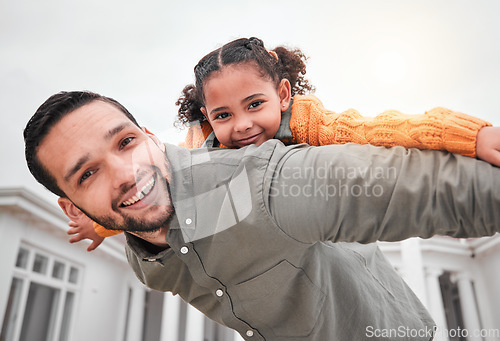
[{"x": 437, "y": 129}]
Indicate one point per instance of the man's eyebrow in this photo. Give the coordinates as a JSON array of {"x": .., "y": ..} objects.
[
  {"x": 112, "y": 132},
  {"x": 81, "y": 161}
]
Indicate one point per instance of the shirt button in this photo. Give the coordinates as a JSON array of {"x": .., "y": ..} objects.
[
  {"x": 249, "y": 333},
  {"x": 219, "y": 292},
  {"x": 189, "y": 221},
  {"x": 184, "y": 250}
]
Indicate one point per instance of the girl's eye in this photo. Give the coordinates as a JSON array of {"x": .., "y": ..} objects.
[
  {"x": 221, "y": 116},
  {"x": 86, "y": 175},
  {"x": 125, "y": 141},
  {"x": 255, "y": 104}
]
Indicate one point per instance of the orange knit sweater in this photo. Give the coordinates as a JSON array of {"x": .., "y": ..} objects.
[{"x": 311, "y": 123}]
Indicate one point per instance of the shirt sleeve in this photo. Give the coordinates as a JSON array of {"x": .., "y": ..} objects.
[
  {"x": 364, "y": 194},
  {"x": 437, "y": 129}
]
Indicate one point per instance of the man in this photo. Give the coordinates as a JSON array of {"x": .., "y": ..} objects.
[{"x": 255, "y": 238}]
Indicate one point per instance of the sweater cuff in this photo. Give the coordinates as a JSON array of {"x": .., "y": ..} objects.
[
  {"x": 104, "y": 232},
  {"x": 460, "y": 133}
]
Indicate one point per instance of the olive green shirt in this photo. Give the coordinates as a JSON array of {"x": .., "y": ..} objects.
[{"x": 265, "y": 239}]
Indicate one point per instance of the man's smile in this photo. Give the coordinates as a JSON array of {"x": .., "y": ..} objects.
[{"x": 140, "y": 194}]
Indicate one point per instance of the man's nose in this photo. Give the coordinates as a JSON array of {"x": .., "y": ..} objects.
[{"x": 122, "y": 171}]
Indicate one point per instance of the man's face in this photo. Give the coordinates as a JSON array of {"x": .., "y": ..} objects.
[{"x": 109, "y": 168}]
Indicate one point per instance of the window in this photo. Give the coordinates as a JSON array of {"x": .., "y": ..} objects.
[
  {"x": 452, "y": 306},
  {"x": 153, "y": 314},
  {"x": 42, "y": 297}
]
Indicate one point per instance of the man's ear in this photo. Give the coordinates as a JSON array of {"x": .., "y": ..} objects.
[
  {"x": 154, "y": 138},
  {"x": 71, "y": 211},
  {"x": 285, "y": 94}
]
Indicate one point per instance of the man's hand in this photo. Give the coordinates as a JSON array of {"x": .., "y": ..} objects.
[
  {"x": 488, "y": 145},
  {"x": 84, "y": 231}
]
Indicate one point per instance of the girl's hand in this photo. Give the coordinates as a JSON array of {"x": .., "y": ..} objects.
[
  {"x": 84, "y": 231},
  {"x": 488, "y": 145}
]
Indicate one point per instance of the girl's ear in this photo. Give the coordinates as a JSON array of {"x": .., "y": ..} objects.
[
  {"x": 285, "y": 94},
  {"x": 204, "y": 112},
  {"x": 71, "y": 211}
]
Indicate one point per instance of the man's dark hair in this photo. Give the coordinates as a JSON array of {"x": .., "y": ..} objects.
[{"x": 48, "y": 115}]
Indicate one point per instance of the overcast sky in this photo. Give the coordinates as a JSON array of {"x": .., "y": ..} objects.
[{"x": 368, "y": 55}]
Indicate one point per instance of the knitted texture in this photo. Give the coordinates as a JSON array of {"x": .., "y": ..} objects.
[{"x": 438, "y": 129}]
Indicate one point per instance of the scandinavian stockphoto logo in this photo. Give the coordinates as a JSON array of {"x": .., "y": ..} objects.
[
  {"x": 330, "y": 180},
  {"x": 231, "y": 199}
]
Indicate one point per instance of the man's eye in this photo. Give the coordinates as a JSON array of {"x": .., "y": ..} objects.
[
  {"x": 221, "y": 116},
  {"x": 125, "y": 141},
  {"x": 255, "y": 104},
  {"x": 86, "y": 175}
]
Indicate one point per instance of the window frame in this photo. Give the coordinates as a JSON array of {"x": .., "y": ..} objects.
[{"x": 63, "y": 286}]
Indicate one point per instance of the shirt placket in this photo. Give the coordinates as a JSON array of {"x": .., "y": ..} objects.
[{"x": 188, "y": 254}]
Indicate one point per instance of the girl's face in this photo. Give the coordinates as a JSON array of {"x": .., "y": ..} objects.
[{"x": 242, "y": 106}]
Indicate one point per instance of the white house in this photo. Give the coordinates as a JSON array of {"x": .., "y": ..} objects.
[{"x": 52, "y": 290}]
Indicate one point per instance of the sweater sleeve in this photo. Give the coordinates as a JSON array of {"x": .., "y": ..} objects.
[
  {"x": 439, "y": 128},
  {"x": 104, "y": 232},
  {"x": 196, "y": 135}
]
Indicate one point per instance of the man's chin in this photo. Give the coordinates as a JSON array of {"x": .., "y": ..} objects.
[{"x": 129, "y": 224}]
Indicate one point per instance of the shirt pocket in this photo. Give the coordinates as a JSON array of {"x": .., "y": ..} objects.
[{"x": 282, "y": 299}]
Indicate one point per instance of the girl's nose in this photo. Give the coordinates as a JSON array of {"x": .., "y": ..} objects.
[{"x": 243, "y": 124}]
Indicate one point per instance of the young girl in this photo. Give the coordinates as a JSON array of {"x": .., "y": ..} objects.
[{"x": 245, "y": 94}]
